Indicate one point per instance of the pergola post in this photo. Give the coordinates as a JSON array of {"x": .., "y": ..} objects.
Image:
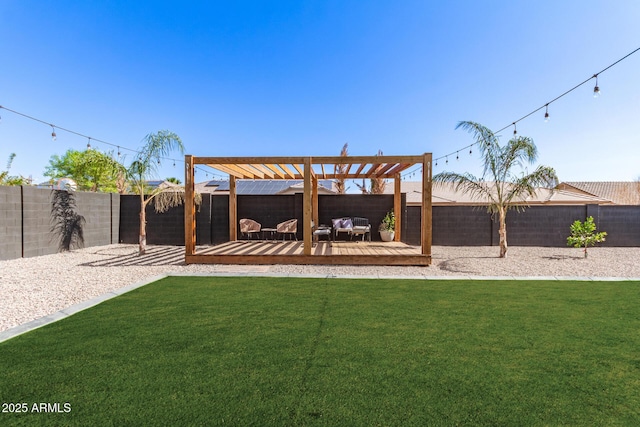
[
  {"x": 189, "y": 207},
  {"x": 314, "y": 198},
  {"x": 426, "y": 219},
  {"x": 397, "y": 207},
  {"x": 233, "y": 209},
  {"x": 307, "y": 207}
]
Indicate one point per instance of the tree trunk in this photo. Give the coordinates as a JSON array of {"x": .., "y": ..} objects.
[
  {"x": 503, "y": 233},
  {"x": 142, "y": 239}
]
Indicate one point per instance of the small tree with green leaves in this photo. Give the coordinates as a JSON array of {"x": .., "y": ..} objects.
[
  {"x": 93, "y": 170},
  {"x": 583, "y": 235}
]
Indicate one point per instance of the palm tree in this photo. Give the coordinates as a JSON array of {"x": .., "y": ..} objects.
[
  {"x": 145, "y": 164},
  {"x": 341, "y": 170},
  {"x": 504, "y": 189}
]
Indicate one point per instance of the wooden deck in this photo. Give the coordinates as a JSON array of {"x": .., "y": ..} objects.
[{"x": 332, "y": 253}]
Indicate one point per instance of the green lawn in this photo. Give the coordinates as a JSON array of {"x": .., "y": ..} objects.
[{"x": 274, "y": 351}]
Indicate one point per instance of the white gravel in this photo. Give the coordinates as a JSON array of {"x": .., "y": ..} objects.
[{"x": 31, "y": 288}]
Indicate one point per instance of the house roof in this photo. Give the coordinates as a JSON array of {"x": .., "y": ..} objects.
[
  {"x": 262, "y": 186},
  {"x": 618, "y": 192},
  {"x": 445, "y": 194}
]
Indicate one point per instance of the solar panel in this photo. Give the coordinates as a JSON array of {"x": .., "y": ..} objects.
[{"x": 262, "y": 186}]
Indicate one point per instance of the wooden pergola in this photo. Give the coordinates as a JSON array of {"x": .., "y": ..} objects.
[{"x": 310, "y": 170}]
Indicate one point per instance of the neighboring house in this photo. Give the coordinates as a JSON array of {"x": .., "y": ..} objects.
[
  {"x": 617, "y": 192},
  {"x": 446, "y": 195},
  {"x": 263, "y": 186},
  {"x": 59, "y": 184}
]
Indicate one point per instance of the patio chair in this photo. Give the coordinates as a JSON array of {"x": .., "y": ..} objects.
[
  {"x": 289, "y": 227},
  {"x": 342, "y": 225},
  {"x": 249, "y": 227},
  {"x": 361, "y": 227}
]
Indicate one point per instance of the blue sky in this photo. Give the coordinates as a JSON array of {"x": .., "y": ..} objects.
[{"x": 304, "y": 77}]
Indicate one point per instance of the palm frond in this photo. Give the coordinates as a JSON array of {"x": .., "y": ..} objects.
[
  {"x": 517, "y": 151},
  {"x": 488, "y": 145},
  {"x": 168, "y": 198},
  {"x": 469, "y": 184},
  {"x": 157, "y": 145},
  {"x": 527, "y": 185}
]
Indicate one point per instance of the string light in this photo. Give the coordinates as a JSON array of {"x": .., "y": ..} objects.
[
  {"x": 53, "y": 133},
  {"x": 546, "y": 113},
  {"x": 457, "y": 156},
  {"x": 596, "y": 92},
  {"x": 88, "y": 143},
  {"x": 515, "y": 130},
  {"x": 119, "y": 154}
]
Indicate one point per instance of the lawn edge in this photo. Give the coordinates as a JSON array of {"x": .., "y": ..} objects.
[{"x": 76, "y": 308}]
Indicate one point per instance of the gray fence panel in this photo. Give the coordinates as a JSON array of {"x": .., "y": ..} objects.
[{"x": 10, "y": 222}]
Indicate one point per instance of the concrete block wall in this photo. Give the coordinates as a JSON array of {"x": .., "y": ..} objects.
[
  {"x": 540, "y": 225},
  {"x": 269, "y": 211},
  {"x": 115, "y": 218},
  {"x": 622, "y": 224},
  {"x": 219, "y": 216},
  {"x": 452, "y": 225},
  {"x": 25, "y": 220},
  {"x": 212, "y": 220},
  {"x": 96, "y": 209},
  {"x": 36, "y": 211},
  {"x": 535, "y": 226},
  {"x": 165, "y": 228},
  {"x": 10, "y": 222},
  {"x": 458, "y": 225}
]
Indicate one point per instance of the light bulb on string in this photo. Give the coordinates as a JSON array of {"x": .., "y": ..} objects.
[
  {"x": 457, "y": 156},
  {"x": 596, "y": 89},
  {"x": 546, "y": 113},
  {"x": 174, "y": 163},
  {"x": 470, "y": 151},
  {"x": 53, "y": 133},
  {"x": 119, "y": 154},
  {"x": 89, "y": 143},
  {"x": 515, "y": 129},
  {"x": 447, "y": 160}
]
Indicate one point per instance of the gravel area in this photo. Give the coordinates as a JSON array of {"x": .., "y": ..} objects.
[{"x": 34, "y": 287}]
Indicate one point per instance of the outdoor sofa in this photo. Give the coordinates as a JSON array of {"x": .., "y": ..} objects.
[{"x": 353, "y": 226}]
